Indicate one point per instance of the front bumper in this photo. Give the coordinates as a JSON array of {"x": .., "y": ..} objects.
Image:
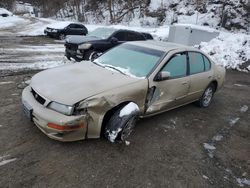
[
  {"x": 51, "y": 34},
  {"x": 41, "y": 116},
  {"x": 74, "y": 53}
]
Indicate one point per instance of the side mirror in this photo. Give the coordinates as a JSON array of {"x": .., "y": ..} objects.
[
  {"x": 163, "y": 75},
  {"x": 113, "y": 40}
]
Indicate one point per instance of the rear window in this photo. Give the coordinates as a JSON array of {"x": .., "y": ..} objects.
[
  {"x": 196, "y": 62},
  {"x": 207, "y": 63}
]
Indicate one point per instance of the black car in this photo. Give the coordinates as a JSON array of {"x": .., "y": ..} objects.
[
  {"x": 99, "y": 41},
  {"x": 61, "y": 30}
]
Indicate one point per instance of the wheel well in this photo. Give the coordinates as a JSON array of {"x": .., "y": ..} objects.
[
  {"x": 215, "y": 83},
  {"x": 108, "y": 115}
]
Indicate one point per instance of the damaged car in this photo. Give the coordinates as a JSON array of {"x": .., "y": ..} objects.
[
  {"x": 106, "y": 97},
  {"x": 62, "y": 29},
  {"x": 99, "y": 41}
]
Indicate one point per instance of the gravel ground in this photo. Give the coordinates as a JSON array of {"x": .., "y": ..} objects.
[{"x": 185, "y": 147}]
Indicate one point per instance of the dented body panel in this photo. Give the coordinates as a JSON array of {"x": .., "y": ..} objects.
[{"x": 94, "y": 90}]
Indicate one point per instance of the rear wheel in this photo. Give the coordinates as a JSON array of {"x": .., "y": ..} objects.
[{"x": 207, "y": 96}]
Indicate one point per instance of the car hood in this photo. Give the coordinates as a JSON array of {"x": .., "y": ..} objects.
[
  {"x": 70, "y": 84},
  {"x": 79, "y": 39}
]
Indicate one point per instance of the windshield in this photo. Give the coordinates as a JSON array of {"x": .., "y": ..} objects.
[
  {"x": 102, "y": 32},
  {"x": 132, "y": 60}
]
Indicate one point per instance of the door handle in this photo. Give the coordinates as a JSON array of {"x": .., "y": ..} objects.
[
  {"x": 209, "y": 77},
  {"x": 184, "y": 83}
]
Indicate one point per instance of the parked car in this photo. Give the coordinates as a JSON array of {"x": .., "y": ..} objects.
[
  {"x": 108, "y": 95},
  {"x": 99, "y": 41},
  {"x": 61, "y": 30}
]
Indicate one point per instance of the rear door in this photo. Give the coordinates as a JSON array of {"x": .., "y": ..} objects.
[
  {"x": 200, "y": 72},
  {"x": 173, "y": 91}
]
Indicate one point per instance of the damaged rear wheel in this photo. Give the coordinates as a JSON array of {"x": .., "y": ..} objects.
[{"x": 121, "y": 125}]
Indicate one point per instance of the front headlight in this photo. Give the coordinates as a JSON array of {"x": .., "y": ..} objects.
[
  {"x": 84, "y": 46},
  {"x": 61, "y": 108},
  {"x": 54, "y": 30}
]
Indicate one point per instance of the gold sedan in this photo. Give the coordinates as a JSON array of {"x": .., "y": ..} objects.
[{"x": 107, "y": 96}]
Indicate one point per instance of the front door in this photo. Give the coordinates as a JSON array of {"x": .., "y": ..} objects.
[{"x": 171, "y": 92}]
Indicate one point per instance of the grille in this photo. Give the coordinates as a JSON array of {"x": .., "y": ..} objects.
[
  {"x": 38, "y": 98},
  {"x": 71, "y": 46}
]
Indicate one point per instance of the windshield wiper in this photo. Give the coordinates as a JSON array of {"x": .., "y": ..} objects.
[{"x": 108, "y": 66}]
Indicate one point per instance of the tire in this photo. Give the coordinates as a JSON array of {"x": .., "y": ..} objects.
[
  {"x": 61, "y": 36},
  {"x": 207, "y": 96},
  {"x": 119, "y": 128},
  {"x": 92, "y": 55}
]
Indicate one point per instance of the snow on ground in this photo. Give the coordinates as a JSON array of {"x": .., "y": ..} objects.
[
  {"x": 11, "y": 21},
  {"x": 6, "y": 159},
  {"x": 228, "y": 49},
  {"x": 244, "y": 108}
]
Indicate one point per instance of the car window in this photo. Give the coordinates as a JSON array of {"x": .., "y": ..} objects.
[
  {"x": 207, "y": 63},
  {"x": 132, "y": 36},
  {"x": 177, "y": 65},
  {"x": 196, "y": 62},
  {"x": 78, "y": 26},
  {"x": 102, "y": 32},
  {"x": 71, "y": 26},
  {"x": 121, "y": 36}
]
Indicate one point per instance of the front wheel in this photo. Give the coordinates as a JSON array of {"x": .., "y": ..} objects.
[
  {"x": 92, "y": 55},
  {"x": 61, "y": 36},
  {"x": 207, "y": 96},
  {"x": 120, "y": 127}
]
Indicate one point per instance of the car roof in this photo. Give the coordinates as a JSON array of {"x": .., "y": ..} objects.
[{"x": 162, "y": 46}]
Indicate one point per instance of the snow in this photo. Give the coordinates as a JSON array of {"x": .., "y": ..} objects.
[
  {"x": 4, "y": 161},
  {"x": 205, "y": 177},
  {"x": 208, "y": 146},
  {"x": 127, "y": 143},
  {"x": 244, "y": 108},
  {"x": 233, "y": 121},
  {"x": 128, "y": 109},
  {"x": 10, "y": 21},
  {"x": 113, "y": 134},
  {"x": 243, "y": 181},
  {"x": 4, "y": 11},
  {"x": 217, "y": 137},
  {"x": 228, "y": 49},
  {"x": 5, "y": 83}
]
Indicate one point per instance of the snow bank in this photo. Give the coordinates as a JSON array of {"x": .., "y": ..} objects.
[
  {"x": 128, "y": 109},
  {"x": 228, "y": 49},
  {"x": 11, "y": 21},
  {"x": 4, "y": 11}
]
